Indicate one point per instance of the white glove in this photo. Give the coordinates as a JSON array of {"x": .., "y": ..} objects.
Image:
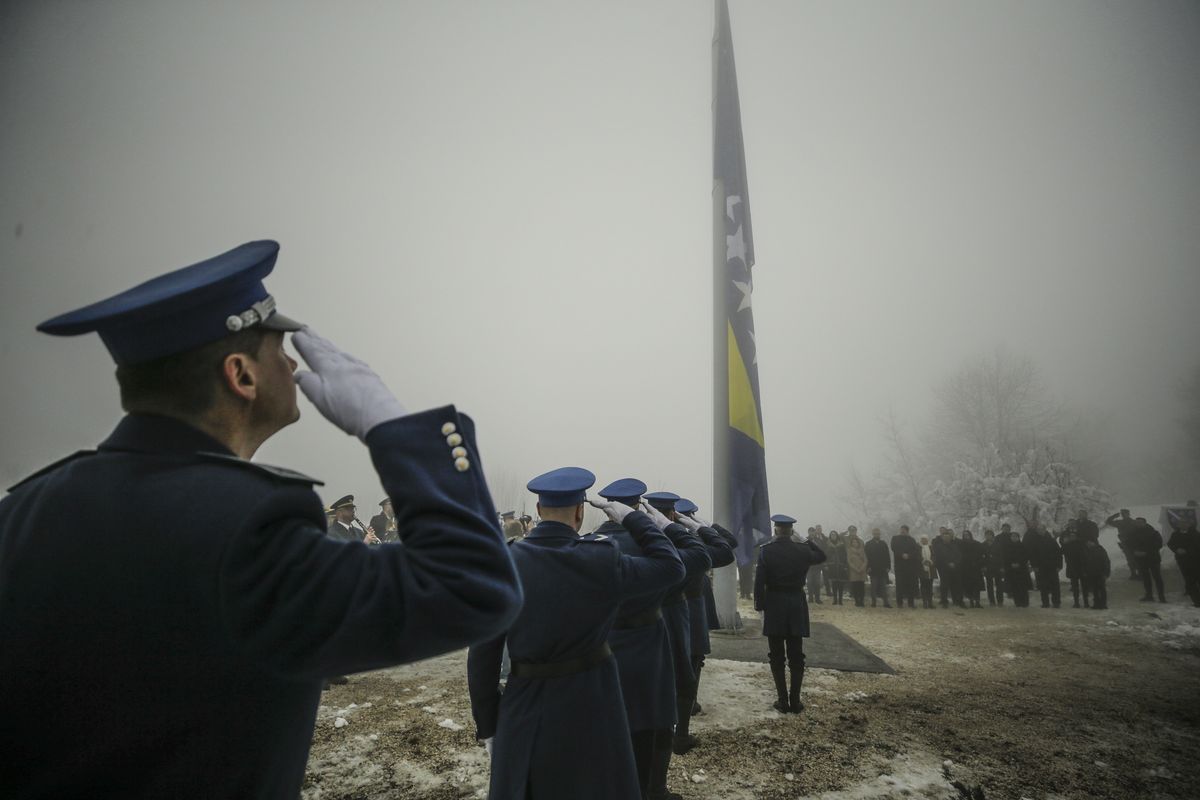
[
  {"x": 487, "y": 745},
  {"x": 660, "y": 519},
  {"x": 345, "y": 390},
  {"x": 687, "y": 522},
  {"x": 615, "y": 511},
  {"x": 801, "y": 536},
  {"x": 704, "y": 523}
]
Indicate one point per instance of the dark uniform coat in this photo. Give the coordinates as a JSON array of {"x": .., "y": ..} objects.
[
  {"x": 1146, "y": 545},
  {"x": 908, "y": 571},
  {"x": 675, "y": 608},
  {"x": 720, "y": 547},
  {"x": 640, "y": 642},
  {"x": 1073, "y": 556},
  {"x": 169, "y": 611},
  {"x": 345, "y": 533},
  {"x": 783, "y": 564},
  {"x": 566, "y": 736},
  {"x": 835, "y": 566}
]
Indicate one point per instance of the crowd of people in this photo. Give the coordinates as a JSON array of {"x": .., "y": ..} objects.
[{"x": 964, "y": 569}]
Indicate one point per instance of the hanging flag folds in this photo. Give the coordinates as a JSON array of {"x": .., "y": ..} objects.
[{"x": 743, "y": 448}]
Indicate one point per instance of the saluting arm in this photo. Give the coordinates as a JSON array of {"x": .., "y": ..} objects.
[
  {"x": 311, "y": 606},
  {"x": 657, "y": 568}
]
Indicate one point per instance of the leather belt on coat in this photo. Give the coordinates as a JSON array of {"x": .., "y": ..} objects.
[
  {"x": 638, "y": 620},
  {"x": 556, "y": 669}
]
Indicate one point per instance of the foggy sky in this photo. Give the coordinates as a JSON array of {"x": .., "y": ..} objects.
[{"x": 507, "y": 206}]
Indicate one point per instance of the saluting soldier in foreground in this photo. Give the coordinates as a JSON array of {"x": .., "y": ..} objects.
[
  {"x": 176, "y": 643},
  {"x": 783, "y": 564},
  {"x": 559, "y": 729}
]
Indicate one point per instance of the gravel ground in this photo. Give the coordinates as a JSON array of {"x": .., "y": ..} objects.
[{"x": 1002, "y": 703}]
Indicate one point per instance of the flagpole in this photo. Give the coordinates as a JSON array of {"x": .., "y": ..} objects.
[{"x": 725, "y": 582}]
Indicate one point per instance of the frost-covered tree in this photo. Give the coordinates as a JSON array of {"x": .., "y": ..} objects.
[{"x": 998, "y": 449}]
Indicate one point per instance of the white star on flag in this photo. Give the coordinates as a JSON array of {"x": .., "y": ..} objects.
[
  {"x": 745, "y": 288},
  {"x": 735, "y": 246}
]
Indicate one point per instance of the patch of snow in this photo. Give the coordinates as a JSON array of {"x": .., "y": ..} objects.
[
  {"x": 340, "y": 722},
  {"x": 854, "y": 697},
  {"x": 429, "y": 709},
  {"x": 1009, "y": 656},
  {"x": 917, "y": 775},
  {"x": 450, "y": 725}
]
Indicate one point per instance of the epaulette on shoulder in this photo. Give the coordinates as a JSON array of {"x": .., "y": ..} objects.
[
  {"x": 51, "y": 467},
  {"x": 598, "y": 538},
  {"x": 280, "y": 473}
]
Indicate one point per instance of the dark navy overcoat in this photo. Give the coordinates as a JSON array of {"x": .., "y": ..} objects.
[
  {"x": 566, "y": 736},
  {"x": 783, "y": 564},
  {"x": 675, "y": 605},
  {"x": 168, "y": 611},
  {"x": 720, "y": 552}
]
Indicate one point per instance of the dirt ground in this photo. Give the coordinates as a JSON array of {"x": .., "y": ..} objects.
[{"x": 993, "y": 702}]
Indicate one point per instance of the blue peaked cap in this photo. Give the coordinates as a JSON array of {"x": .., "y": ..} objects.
[
  {"x": 685, "y": 506},
  {"x": 624, "y": 490},
  {"x": 565, "y": 486},
  {"x": 663, "y": 501},
  {"x": 183, "y": 309},
  {"x": 783, "y": 519}
]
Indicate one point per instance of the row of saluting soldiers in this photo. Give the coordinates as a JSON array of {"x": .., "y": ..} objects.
[{"x": 612, "y": 635}]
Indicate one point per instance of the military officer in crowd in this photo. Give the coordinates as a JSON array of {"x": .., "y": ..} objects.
[
  {"x": 177, "y": 642},
  {"x": 563, "y": 691},
  {"x": 783, "y": 564},
  {"x": 720, "y": 544},
  {"x": 1016, "y": 566},
  {"x": 345, "y": 526},
  {"x": 879, "y": 564},
  {"x": 383, "y": 524},
  {"x": 511, "y": 527},
  {"x": 908, "y": 567},
  {"x": 1185, "y": 544}
]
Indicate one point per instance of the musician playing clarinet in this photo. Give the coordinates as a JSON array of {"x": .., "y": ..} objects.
[{"x": 345, "y": 526}]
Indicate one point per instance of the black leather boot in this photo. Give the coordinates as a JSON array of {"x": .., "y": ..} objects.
[
  {"x": 795, "y": 706},
  {"x": 781, "y": 705}
]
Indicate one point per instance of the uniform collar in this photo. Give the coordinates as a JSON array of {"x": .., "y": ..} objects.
[
  {"x": 150, "y": 433},
  {"x": 552, "y": 530}
]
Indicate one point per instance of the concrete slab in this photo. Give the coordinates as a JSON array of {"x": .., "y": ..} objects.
[{"x": 827, "y": 648}]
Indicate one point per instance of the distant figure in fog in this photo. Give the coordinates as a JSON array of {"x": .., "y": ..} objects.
[
  {"x": 1073, "y": 551},
  {"x": 1185, "y": 544},
  {"x": 927, "y": 574},
  {"x": 879, "y": 564},
  {"x": 835, "y": 566},
  {"x": 1047, "y": 560},
  {"x": 1016, "y": 566},
  {"x": 856, "y": 565},
  {"x": 972, "y": 570},
  {"x": 947, "y": 557},
  {"x": 1097, "y": 569},
  {"x": 1125, "y": 526},
  {"x": 907, "y": 567},
  {"x": 993, "y": 567},
  {"x": 1147, "y": 551}
]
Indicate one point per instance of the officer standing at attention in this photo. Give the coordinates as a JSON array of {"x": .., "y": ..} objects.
[
  {"x": 783, "y": 564},
  {"x": 559, "y": 729},
  {"x": 720, "y": 548},
  {"x": 642, "y": 647},
  {"x": 209, "y": 576}
]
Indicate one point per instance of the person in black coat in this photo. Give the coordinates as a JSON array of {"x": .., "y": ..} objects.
[
  {"x": 993, "y": 567},
  {"x": 563, "y": 684},
  {"x": 1147, "y": 552},
  {"x": 948, "y": 559},
  {"x": 835, "y": 567},
  {"x": 1016, "y": 566},
  {"x": 879, "y": 563},
  {"x": 1047, "y": 560},
  {"x": 1085, "y": 529},
  {"x": 1185, "y": 544},
  {"x": 972, "y": 568},
  {"x": 1096, "y": 568},
  {"x": 1073, "y": 557},
  {"x": 1125, "y": 525},
  {"x": 908, "y": 567},
  {"x": 175, "y": 645},
  {"x": 383, "y": 524},
  {"x": 783, "y": 564}
]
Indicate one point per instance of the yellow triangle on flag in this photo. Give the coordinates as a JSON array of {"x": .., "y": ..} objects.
[{"x": 743, "y": 412}]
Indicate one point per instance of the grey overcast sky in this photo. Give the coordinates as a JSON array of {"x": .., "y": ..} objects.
[{"x": 507, "y": 206}]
